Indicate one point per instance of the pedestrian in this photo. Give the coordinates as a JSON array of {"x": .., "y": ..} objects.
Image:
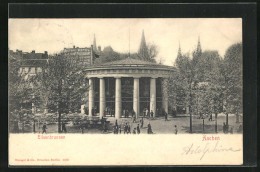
[
  {"x": 93, "y": 111},
  {"x": 210, "y": 117},
  {"x": 82, "y": 128},
  {"x": 176, "y": 129},
  {"x": 134, "y": 131},
  {"x": 119, "y": 129},
  {"x": 128, "y": 129},
  {"x": 116, "y": 123},
  {"x": 134, "y": 118},
  {"x": 144, "y": 112},
  {"x": 125, "y": 128},
  {"x": 114, "y": 129},
  {"x": 142, "y": 122},
  {"x": 240, "y": 128},
  {"x": 147, "y": 112},
  {"x": 231, "y": 130},
  {"x": 64, "y": 127},
  {"x": 151, "y": 114},
  {"x": 138, "y": 129},
  {"x": 44, "y": 127},
  {"x": 166, "y": 116},
  {"x": 149, "y": 128}
]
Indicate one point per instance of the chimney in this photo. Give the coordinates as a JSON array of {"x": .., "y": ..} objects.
[
  {"x": 46, "y": 52},
  {"x": 73, "y": 46},
  {"x": 33, "y": 51},
  {"x": 99, "y": 48}
]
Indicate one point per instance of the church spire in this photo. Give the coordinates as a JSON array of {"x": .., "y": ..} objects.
[
  {"x": 94, "y": 44},
  {"x": 179, "y": 51},
  {"x": 143, "y": 51},
  {"x": 199, "y": 46}
]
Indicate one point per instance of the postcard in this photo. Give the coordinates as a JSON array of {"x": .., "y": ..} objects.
[{"x": 125, "y": 91}]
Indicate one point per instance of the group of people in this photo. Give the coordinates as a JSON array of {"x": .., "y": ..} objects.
[
  {"x": 127, "y": 128},
  {"x": 226, "y": 128},
  {"x": 148, "y": 114}
]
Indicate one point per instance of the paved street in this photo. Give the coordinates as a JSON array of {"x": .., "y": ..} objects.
[{"x": 159, "y": 125}]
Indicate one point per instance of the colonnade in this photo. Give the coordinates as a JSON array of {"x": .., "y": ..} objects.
[{"x": 118, "y": 96}]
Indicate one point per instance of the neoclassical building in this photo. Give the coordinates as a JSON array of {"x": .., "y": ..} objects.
[{"x": 127, "y": 84}]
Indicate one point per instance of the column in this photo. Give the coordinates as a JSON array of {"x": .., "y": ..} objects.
[
  {"x": 118, "y": 100},
  {"x": 165, "y": 95},
  {"x": 90, "y": 96},
  {"x": 153, "y": 95},
  {"x": 102, "y": 97},
  {"x": 136, "y": 98}
]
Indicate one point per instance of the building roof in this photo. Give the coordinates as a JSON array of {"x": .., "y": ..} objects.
[
  {"x": 34, "y": 62},
  {"x": 35, "y": 56},
  {"x": 130, "y": 62}
]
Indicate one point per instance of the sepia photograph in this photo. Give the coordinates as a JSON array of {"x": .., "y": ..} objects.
[{"x": 125, "y": 81}]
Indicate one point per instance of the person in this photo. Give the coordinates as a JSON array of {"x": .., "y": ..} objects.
[
  {"x": 166, "y": 116},
  {"x": 44, "y": 128},
  {"x": 64, "y": 127},
  {"x": 142, "y": 122},
  {"x": 134, "y": 131},
  {"x": 128, "y": 129},
  {"x": 124, "y": 113},
  {"x": 119, "y": 129},
  {"x": 231, "y": 130},
  {"x": 210, "y": 117},
  {"x": 147, "y": 112},
  {"x": 114, "y": 129},
  {"x": 138, "y": 129},
  {"x": 134, "y": 118},
  {"x": 93, "y": 111},
  {"x": 125, "y": 128},
  {"x": 224, "y": 127},
  {"x": 151, "y": 114},
  {"x": 149, "y": 128},
  {"x": 144, "y": 112},
  {"x": 239, "y": 130},
  {"x": 176, "y": 129},
  {"x": 116, "y": 123}
]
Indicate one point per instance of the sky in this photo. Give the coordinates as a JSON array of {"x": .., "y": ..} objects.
[{"x": 53, "y": 35}]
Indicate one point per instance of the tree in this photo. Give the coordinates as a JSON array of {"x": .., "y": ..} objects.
[
  {"x": 182, "y": 82},
  {"x": 66, "y": 85},
  {"x": 232, "y": 80},
  {"x": 108, "y": 55}
]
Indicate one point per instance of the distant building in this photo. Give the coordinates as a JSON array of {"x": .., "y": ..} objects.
[
  {"x": 83, "y": 57},
  {"x": 32, "y": 63}
]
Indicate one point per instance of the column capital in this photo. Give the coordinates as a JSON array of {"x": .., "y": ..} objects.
[
  {"x": 137, "y": 77},
  {"x": 101, "y": 77},
  {"x": 118, "y": 77}
]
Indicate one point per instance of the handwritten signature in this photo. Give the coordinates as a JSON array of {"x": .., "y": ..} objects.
[{"x": 208, "y": 148}]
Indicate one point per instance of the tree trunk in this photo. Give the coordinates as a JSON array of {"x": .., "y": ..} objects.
[
  {"x": 59, "y": 106},
  {"x": 190, "y": 121},
  {"x": 227, "y": 122},
  {"x": 216, "y": 123}
]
